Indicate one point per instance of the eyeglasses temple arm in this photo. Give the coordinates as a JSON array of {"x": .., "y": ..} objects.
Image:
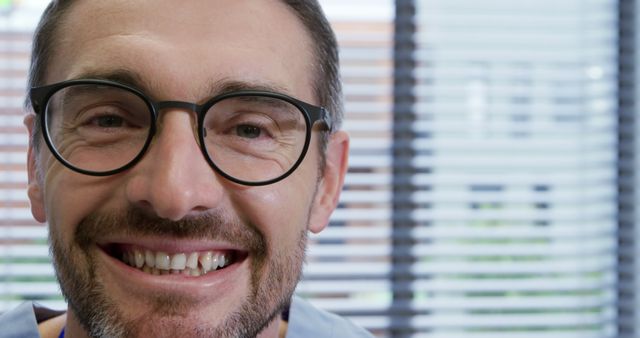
[{"x": 326, "y": 118}]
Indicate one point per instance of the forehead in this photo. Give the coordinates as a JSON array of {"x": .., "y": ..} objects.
[{"x": 181, "y": 47}]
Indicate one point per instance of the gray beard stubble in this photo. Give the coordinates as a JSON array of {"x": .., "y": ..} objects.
[{"x": 271, "y": 289}]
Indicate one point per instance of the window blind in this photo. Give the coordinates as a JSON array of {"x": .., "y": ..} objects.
[
  {"x": 512, "y": 230},
  {"x": 628, "y": 316},
  {"x": 25, "y": 268},
  {"x": 349, "y": 264}
]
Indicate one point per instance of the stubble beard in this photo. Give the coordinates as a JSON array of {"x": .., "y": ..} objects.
[{"x": 274, "y": 276}]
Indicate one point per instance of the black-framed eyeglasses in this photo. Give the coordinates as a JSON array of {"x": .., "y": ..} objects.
[{"x": 101, "y": 127}]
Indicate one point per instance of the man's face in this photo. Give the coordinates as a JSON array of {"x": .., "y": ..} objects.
[{"x": 172, "y": 203}]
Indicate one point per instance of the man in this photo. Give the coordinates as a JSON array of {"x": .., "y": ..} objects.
[{"x": 180, "y": 154}]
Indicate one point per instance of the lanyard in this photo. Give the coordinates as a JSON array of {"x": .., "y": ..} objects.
[{"x": 61, "y": 333}]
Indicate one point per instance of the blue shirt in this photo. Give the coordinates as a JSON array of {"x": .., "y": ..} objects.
[{"x": 305, "y": 321}]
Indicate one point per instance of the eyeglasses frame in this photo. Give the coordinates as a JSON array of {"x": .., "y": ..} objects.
[{"x": 40, "y": 96}]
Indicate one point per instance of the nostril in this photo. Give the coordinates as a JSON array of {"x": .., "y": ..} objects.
[{"x": 145, "y": 206}]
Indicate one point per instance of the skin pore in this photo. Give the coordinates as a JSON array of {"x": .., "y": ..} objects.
[{"x": 173, "y": 200}]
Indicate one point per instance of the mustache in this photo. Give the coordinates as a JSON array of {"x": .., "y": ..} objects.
[{"x": 133, "y": 222}]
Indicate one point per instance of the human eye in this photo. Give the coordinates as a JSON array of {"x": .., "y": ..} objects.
[
  {"x": 102, "y": 124},
  {"x": 109, "y": 121},
  {"x": 108, "y": 118},
  {"x": 248, "y": 131},
  {"x": 254, "y": 126},
  {"x": 98, "y": 109},
  {"x": 253, "y": 119},
  {"x": 243, "y": 125},
  {"x": 251, "y": 126}
]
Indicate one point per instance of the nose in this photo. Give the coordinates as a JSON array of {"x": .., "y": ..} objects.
[{"x": 173, "y": 180}]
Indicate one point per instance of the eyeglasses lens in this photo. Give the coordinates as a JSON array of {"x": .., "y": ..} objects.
[
  {"x": 97, "y": 128},
  {"x": 254, "y": 138}
]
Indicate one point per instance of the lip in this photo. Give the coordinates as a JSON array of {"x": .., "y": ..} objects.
[
  {"x": 171, "y": 245},
  {"x": 214, "y": 283}
]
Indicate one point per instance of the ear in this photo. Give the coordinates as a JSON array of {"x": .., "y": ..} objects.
[
  {"x": 34, "y": 188},
  {"x": 331, "y": 182}
]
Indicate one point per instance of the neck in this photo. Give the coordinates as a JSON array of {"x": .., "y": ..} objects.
[
  {"x": 73, "y": 328},
  {"x": 51, "y": 328}
]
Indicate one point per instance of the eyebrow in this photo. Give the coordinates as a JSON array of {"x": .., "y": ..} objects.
[
  {"x": 122, "y": 76},
  {"x": 212, "y": 88},
  {"x": 225, "y": 86}
]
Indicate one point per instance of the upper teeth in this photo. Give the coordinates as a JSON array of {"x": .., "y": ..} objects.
[{"x": 193, "y": 264}]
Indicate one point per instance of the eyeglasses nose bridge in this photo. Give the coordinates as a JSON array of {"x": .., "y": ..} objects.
[
  {"x": 182, "y": 105},
  {"x": 190, "y": 106}
]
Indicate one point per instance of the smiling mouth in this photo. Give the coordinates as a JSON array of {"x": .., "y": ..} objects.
[{"x": 192, "y": 264}]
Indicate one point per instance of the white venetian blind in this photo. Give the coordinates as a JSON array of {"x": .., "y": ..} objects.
[
  {"x": 25, "y": 268},
  {"x": 349, "y": 263},
  {"x": 514, "y": 169}
]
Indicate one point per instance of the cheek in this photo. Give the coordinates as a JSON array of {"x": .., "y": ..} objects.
[
  {"x": 69, "y": 197},
  {"x": 280, "y": 210}
]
